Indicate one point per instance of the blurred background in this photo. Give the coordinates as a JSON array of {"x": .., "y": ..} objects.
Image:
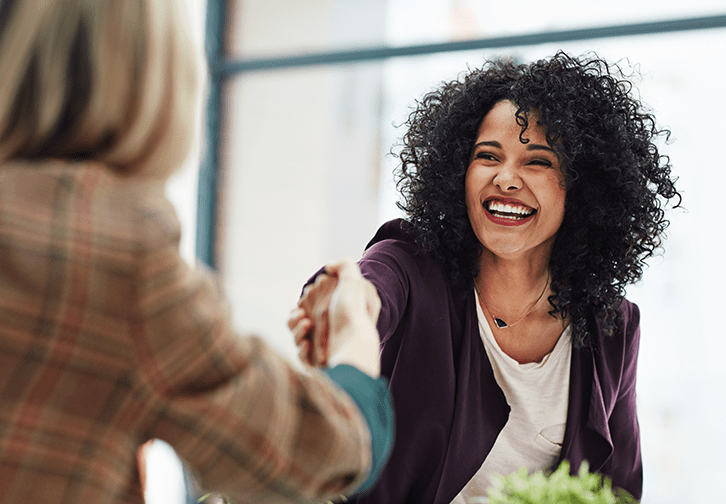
[{"x": 295, "y": 171}]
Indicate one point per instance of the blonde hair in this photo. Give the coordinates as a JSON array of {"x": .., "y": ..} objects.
[{"x": 115, "y": 81}]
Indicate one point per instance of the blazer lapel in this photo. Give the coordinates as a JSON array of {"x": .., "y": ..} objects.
[
  {"x": 597, "y": 422},
  {"x": 481, "y": 411},
  {"x": 587, "y": 435}
]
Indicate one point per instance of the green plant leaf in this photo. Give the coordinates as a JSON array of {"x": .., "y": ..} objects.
[{"x": 558, "y": 487}]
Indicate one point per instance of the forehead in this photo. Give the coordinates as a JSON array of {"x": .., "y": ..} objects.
[{"x": 501, "y": 120}]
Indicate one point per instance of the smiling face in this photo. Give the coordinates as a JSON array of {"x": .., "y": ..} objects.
[{"x": 515, "y": 192}]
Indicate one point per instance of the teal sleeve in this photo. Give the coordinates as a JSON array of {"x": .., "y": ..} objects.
[{"x": 374, "y": 401}]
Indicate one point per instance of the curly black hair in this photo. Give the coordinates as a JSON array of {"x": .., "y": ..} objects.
[{"x": 617, "y": 181}]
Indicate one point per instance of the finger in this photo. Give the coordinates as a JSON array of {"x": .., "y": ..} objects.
[
  {"x": 302, "y": 330},
  {"x": 319, "y": 337},
  {"x": 316, "y": 305},
  {"x": 324, "y": 349},
  {"x": 321, "y": 305},
  {"x": 320, "y": 347},
  {"x": 313, "y": 293},
  {"x": 304, "y": 352},
  {"x": 296, "y": 315},
  {"x": 305, "y": 300},
  {"x": 311, "y": 288},
  {"x": 299, "y": 323}
]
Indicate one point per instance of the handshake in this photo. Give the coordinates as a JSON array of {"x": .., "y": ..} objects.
[{"x": 335, "y": 320}]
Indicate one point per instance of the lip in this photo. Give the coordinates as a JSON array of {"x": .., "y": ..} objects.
[
  {"x": 514, "y": 201},
  {"x": 502, "y": 221}
]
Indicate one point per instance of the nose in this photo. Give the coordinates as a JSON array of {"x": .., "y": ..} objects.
[{"x": 507, "y": 178}]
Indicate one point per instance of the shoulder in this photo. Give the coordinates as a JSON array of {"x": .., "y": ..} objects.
[
  {"x": 628, "y": 334},
  {"x": 630, "y": 314},
  {"x": 133, "y": 210},
  {"x": 396, "y": 229},
  {"x": 395, "y": 243},
  {"x": 393, "y": 249},
  {"x": 87, "y": 202},
  {"x": 393, "y": 237},
  {"x": 627, "y": 327},
  {"x": 617, "y": 354},
  {"x": 407, "y": 278}
]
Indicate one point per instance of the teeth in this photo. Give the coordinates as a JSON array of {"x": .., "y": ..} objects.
[{"x": 512, "y": 211}]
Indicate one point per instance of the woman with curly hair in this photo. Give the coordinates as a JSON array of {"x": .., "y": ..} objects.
[{"x": 533, "y": 195}]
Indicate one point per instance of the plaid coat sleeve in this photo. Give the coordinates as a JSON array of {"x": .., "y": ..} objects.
[
  {"x": 109, "y": 339},
  {"x": 253, "y": 428}
]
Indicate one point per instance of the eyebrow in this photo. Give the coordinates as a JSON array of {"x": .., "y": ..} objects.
[{"x": 530, "y": 146}]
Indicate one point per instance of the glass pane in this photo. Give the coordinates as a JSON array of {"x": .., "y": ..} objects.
[
  {"x": 447, "y": 20},
  {"x": 266, "y": 28},
  {"x": 301, "y": 164}
]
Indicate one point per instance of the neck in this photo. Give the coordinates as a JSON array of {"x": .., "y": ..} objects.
[
  {"x": 510, "y": 287},
  {"x": 511, "y": 277}
]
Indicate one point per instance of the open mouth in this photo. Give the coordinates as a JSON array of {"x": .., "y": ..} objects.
[{"x": 509, "y": 210}]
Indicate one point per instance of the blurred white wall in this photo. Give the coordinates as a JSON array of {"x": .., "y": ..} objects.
[
  {"x": 182, "y": 186},
  {"x": 301, "y": 156}
]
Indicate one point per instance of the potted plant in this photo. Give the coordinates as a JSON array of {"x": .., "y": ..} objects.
[{"x": 558, "y": 487}]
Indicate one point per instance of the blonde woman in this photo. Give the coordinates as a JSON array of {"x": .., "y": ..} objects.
[{"x": 107, "y": 338}]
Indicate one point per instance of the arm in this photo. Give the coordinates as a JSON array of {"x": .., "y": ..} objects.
[
  {"x": 251, "y": 427},
  {"x": 394, "y": 269},
  {"x": 334, "y": 325},
  {"x": 385, "y": 268},
  {"x": 385, "y": 271}
]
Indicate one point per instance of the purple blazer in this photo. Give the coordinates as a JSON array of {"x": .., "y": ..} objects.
[{"x": 449, "y": 408}]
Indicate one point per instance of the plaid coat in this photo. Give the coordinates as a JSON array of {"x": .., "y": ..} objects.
[{"x": 108, "y": 339}]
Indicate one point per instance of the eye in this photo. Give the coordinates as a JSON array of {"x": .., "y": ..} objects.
[
  {"x": 541, "y": 162},
  {"x": 485, "y": 155}
]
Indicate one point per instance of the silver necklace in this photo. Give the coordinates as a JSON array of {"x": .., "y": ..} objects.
[{"x": 498, "y": 321}]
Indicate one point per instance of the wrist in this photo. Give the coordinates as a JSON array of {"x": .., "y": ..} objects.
[{"x": 360, "y": 348}]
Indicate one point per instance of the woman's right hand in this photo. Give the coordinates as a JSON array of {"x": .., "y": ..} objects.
[{"x": 335, "y": 321}]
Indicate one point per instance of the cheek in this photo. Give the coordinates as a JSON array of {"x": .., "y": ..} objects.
[
  {"x": 559, "y": 206},
  {"x": 551, "y": 196},
  {"x": 557, "y": 190},
  {"x": 471, "y": 192}
]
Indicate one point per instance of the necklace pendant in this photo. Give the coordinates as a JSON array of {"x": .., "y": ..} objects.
[{"x": 500, "y": 323}]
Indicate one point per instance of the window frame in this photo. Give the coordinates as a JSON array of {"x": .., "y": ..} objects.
[{"x": 223, "y": 67}]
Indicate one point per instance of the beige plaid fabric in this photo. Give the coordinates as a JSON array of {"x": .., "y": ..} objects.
[{"x": 108, "y": 339}]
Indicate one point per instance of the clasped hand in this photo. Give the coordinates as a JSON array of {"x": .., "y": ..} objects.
[{"x": 335, "y": 320}]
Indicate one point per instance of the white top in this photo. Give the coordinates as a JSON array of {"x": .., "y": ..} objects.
[{"x": 537, "y": 393}]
